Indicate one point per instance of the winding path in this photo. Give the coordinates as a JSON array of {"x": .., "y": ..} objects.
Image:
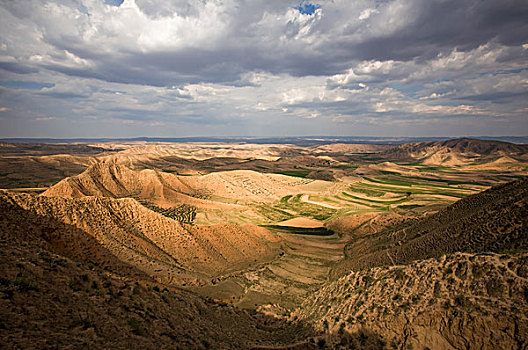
[{"x": 305, "y": 199}]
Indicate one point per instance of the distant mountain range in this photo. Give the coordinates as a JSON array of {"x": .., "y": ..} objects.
[{"x": 300, "y": 140}]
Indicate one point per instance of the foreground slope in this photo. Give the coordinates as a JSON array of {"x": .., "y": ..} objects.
[
  {"x": 133, "y": 235},
  {"x": 48, "y": 301},
  {"x": 460, "y": 301},
  {"x": 494, "y": 220}
]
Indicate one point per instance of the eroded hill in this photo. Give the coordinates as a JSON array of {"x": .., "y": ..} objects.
[
  {"x": 112, "y": 179},
  {"x": 130, "y": 234}
]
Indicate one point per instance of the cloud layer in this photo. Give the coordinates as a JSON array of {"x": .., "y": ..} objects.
[{"x": 73, "y": 68}]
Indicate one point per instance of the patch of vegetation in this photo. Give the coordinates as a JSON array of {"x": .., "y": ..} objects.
[
  {"x": 374, "y": 159},
  {"x": 313, "y": 231},
  {"x": 439, "y": 168},
  {"x": 449, "y": 182},
  {"x": 386, "y": 172},
  {"x": 323, "y": 199},
  {"x": 307, "y": 209},
  {"x": 297, "y": 198},
  {"x": 362, "y": 188},
  {"x": 345, "y": 166},
  {"x": 285, "y": 199},
  {"x": 374, "y": 201},
  {"x": 137, "y": 329},
  {"x": 392, "y": 182},
  {"x": 273, "y": 213},
  {"x": 183, "y": 213},
  {"x": 410, "y": 206},
  {"x": 296, "y": 173},
  {"x": 365, "y": 202},
  {"x": 445, "y": 190},
  {"x": 325, "y": 175}
]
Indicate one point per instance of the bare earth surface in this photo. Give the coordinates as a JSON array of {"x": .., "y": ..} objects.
[{"x": 218, "y": 245}]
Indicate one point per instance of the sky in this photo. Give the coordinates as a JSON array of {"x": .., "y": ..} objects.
[{"x": 114, "y": 68}]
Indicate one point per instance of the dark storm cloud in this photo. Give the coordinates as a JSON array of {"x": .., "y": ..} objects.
[
  {"x": 433, "y": 27},
  {"x": 17, "y": 68},
  {"x": 497, "y": 97},
  {"x": 263, "y": 37}
]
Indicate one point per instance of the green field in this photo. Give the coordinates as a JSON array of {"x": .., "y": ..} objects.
[
  {"x": 425, "y": 188},
  {"x": 376, "y": 201},
  {"x": 296, "y": 173}
]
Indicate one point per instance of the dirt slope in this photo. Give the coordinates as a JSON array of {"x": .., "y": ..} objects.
[
  {"x": 494, "y": 220},
  {"x": 251, "y": 186},
  {"x": 461, "y": 301},
  {"x": 48, "y": 301},
  {"x": 132, "y": 234},
  {"x": 201, "y": 151},
  {"x": 110, "y": 178}
]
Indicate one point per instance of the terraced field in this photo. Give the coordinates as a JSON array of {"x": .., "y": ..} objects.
[
  {"x": 302, "y": 268},
  {"x": 308, "y": 253},
  {"x": 368, "y": 194}
]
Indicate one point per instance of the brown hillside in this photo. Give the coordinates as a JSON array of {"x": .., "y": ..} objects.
[
  {"x": 157, "y": 246},
  {"x": 48, "y": 301},
  {"x": 461, "y": 301},
  {"x": 457, "y": 151},
  {"x": 111, "y": 179},
  {"x": 494, "y": 220}
]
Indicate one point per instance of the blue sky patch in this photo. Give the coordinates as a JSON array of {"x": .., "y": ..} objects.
[
  {"x": 114, "y": 2},
  {"x": 307, "y": 8},
  {"x": 27, "y": 85},
  {"x": 408, "y": 89}
]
